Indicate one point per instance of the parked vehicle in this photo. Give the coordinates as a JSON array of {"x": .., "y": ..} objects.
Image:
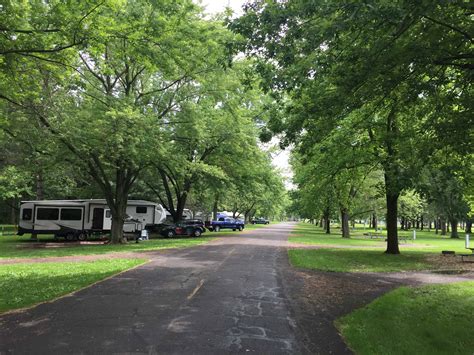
[
  {"x": 192, "y": 227},
  {"x": 78, "y": 219},
  {"x": 225, "y": 223},
  {"x": 260, "y": 221}
]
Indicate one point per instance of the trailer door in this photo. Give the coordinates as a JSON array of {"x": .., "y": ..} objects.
[
  {"x": 107, "y": 220},
  {"x": 98, "y": 218}
]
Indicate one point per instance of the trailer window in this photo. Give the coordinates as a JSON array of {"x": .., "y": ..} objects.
[
  {"x": 27, "y": 214},
  {"x": 47, "y": 214},
  {"x": 71, "y": 214},
  {"x": 141, "y": 209},
  {"x": 108, "y": 214}
]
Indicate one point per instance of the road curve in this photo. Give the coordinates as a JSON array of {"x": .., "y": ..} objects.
[{"x": 222, "y": 297}]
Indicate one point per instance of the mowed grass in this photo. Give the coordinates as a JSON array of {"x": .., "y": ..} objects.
[
  {"x": 429, "y": 242},
  {"x": 23, "y": 247},
  {"x": 24, "y": 285},
  {"x": 367, "y": 255},
  {"x": 13, "y": 246},
  {"x": 435, "y": 319},
  {"x": 354, "y": 260}
]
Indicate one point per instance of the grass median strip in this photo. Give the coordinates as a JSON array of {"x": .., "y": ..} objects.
[
  {"x": 23, "y": 285},
  {"x": 435, "y": 319},
  {"x": 354, "y": 260}
]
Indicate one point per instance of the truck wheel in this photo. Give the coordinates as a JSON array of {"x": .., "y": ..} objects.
[
  {"x": 217, "y": 229},
  {"x": 197, "y": 233},
  {"x": 82, "y": 236},
  {"x": 240, "y": 228},
  {"x": 70, "y": 237},
  {"x": 170, "y": 233}
]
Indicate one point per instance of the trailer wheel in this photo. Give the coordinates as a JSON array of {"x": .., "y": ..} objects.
[
  {"x": 82, "y": 236},
  {"x": 217, "y": 229},
  {"x": 197, "y": 233},
  {"x": 70, "y": 237}
]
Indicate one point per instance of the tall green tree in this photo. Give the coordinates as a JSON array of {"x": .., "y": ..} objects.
[
  {"x": 385, "y": 61},
  {"x": 106, "y": 105}
]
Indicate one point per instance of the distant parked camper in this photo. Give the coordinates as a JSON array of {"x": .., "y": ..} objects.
[
  {"x": 78, "y": 219},
  {"x": 187, "y": 214}
]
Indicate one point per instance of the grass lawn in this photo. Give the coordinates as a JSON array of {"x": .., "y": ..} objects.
[
  {"x": 23, "y": 285},
  {"x": 20, "y": 247},
  {"x": 415, "y": 255},
  {"x": 7, "y": 229},
  {"x": 356, "y": 260},
  {"x": 435, "y": 319},
  {"x": 13, "y": 246},
  {"x": 429, "y": 242}
]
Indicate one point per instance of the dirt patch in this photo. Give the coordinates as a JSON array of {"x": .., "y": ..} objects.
[
  {"x": 450, "y": 263},
  {"x": 57, "y": 245},
  {"x": 318, "y": 298}
]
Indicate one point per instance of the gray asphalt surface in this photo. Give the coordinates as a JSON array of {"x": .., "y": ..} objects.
[{"x": 224, "y": 297}]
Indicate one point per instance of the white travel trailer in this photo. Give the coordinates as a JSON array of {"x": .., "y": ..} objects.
[
  {"x": 187, "y": 214},
  {"x": 77, "y": 219}
]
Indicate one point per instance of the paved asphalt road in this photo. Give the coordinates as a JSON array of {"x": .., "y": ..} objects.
[{"x": 223, "y": 297}]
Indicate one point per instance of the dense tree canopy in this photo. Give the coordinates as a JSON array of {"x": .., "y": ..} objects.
[
  {"x": 121, "y": 92},
  {"x": 392, "y": 79}
]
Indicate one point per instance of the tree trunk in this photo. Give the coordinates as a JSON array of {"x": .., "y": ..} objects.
[
  {"x": 422, "y": 222},
  {"x": 374, "y": 221},
  {"x": 469, "y": 226},
  {"x": 443, "y": 227},
  {"x": 117, "y": 201},
  {"x": 39, "y": 186},
  {"x": 392, "y": 231},
  {"x": 454, "y": 228},
  {"x": 402, "y": 223},
  {"x": 345, "y": 223},
  {"x": 118, "y": 208},
  {"x": 327, "y": 222},
  {"x": 215, "y": 207},
  {"x": 178, "y": 213},
  {"x": 117, "y": 228}
]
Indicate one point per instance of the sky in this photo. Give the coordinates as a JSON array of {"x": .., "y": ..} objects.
[
  {"x": 215, "y": 6},
  {"x": 280, "y": 158}
]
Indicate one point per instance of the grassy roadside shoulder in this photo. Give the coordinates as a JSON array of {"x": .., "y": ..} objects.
[
  {"x": 434, "y": 319},
  {"x": 355, "y": 260},
  {"x": 24, "y": 285},
  {"x": 21, "y": 247},
  {"x": 13, "y": 246}
]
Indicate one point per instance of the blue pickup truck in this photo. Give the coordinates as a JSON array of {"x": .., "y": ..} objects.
[{"x": 225, "y": 223}]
